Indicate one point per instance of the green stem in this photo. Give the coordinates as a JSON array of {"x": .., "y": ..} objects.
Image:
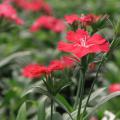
[
  {"x": 78, "y": 93},
  {"x": 52, "y": 105},
  {"x": 81, "y": 91},
  {"x": 91, "y": 89}
]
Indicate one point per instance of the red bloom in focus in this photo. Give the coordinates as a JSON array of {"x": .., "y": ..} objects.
[
  {"x": 80, "y": 43},
  {"x": 48, "y": 22},
  {"x": 9, "y": 12},
  {"x": 71, "y": 18},
  {"x": 89, "y": 19},
  {"x": 114, "y": 87},
  {"x": 34, "y": 71}
]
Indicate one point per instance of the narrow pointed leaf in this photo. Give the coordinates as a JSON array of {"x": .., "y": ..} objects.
[
  {"x": 93, "y": 96},
  {"x": 34, "y": 89},
  {"x": 22, "y": 114},
  {"x": 102, "y": 101},
  {"x": 41, "y": 111},
  {"x": 64, "y": 102},
  {"x": 56, "y": 116}
]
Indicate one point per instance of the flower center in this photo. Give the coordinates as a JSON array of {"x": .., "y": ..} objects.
[{"x": 83, "y": 42}]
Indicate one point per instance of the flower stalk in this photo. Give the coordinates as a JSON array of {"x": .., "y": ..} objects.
[
  {"x": 81, "y": 92},
  {"x": 52, "y": 107},
  {"x": 102, "y": 61}
]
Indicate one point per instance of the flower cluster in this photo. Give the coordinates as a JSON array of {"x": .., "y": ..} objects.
[
  {"x": 48, "y": 22},
  {"x": 80, "y": 43},
  {"x": 85, "y": 20},
  {"x": 8, "y": 12},
  {"x": 36, "y": 70}
]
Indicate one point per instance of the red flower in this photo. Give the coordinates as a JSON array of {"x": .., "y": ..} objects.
[
  {"x": 33, "y": 5},
  {"x": 114, "y": 87},
  {"x": 58, "y": 26},
  {"x": 84, "y": 19},
  {"x": 89, "y": 19},
  {"x": 80, "y": 43},
  {"x": 71, "y": 18},
  {"x": 9, "y": 12},
  {"x": 48, "y": 22},
  {"x": 64, "y": 62},
  {"x": 47, "y": 8},
  {"x": 55, "y": 65},
  {"x": 34, "y": 71},
  {"x": 67, "y": 61},
  {"x": 7, "y": 1}
]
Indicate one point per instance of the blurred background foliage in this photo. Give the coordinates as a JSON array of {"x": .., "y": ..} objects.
[{"x": 19, "y": 47}]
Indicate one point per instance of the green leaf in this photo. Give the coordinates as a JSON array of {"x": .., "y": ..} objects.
[
  {"x": 22, "y": 114},
  {"x": 56, "y": 116},
  {"x": 64, "y": 102},
  {"x": 41, "y": 111},
  {"x": 60, "y": 101},
  {"x": 73, "y": 114},
  {"x": 35, "y": 89},
  {"x": 102, "y": 101},
  {"x": 93, "y": 96}
]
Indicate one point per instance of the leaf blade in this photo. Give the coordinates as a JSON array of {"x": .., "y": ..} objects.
[{"x": 22, "y": 113}]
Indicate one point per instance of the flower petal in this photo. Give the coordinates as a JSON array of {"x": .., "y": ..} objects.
[
  {"x": 77, "y": 36},
  {"x": 96, "y": 39},
  {"x": 66, "y": 47},
  {"x": 71, "y": 18}
]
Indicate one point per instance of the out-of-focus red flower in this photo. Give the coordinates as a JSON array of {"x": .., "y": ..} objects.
[
  {"x": 34, "y": 71},
  {"x": 71, "y": 18},
  {"x": 7, "y": 1},
  {"x": 8, "y": 12},
  {"x": 58, "y": 26},
  {"x": 80, "y": 43},
  {"x": 47, "y": 8},
  {"x": 114, "y": 87},
  {"x": 48, "y": 22},
  {"x": 89, "y": 19},
  {"x": 32, "y": 5}
]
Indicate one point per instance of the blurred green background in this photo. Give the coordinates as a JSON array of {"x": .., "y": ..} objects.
[{"x": 19, "y": 47}]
